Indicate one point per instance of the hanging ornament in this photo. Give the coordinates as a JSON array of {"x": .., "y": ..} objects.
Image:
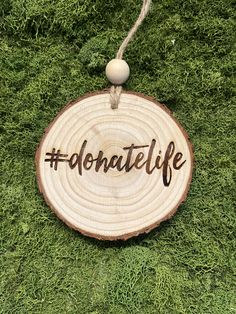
[{"x": 114, "y": 163}]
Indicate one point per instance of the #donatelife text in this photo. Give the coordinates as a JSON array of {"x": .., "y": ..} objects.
[{"x": 166, "y": 161}]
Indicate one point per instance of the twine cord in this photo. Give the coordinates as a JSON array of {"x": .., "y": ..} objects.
[
  {"x": 115, "y": 91},
  {"x": 142, "y": 15}
]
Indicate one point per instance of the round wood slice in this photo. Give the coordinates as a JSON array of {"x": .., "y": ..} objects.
[{"x": 113, "y": 174}]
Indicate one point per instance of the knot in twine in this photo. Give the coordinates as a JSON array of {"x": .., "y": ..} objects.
[{"x": 115, "y": 91}]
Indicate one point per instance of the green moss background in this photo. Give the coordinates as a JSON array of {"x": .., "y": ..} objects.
[{"x": 52, "y": 51}]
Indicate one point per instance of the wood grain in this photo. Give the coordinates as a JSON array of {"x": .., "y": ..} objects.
[{"x": 113, "y": 174}]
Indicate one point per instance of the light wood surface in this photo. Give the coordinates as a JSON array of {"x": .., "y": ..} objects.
[{"x": 120, "y": 172}]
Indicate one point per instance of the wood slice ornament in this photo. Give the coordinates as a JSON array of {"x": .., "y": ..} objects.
[{"x": 114, "y": 173}]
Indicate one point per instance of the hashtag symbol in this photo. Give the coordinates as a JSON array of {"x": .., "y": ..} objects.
[{"x": 55, "y": 157}]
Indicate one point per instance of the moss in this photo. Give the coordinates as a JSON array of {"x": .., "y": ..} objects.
[{"x": 54, "y": 51}]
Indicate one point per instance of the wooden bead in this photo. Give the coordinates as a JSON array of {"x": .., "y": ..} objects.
[{"x": 117, "y": 71}]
